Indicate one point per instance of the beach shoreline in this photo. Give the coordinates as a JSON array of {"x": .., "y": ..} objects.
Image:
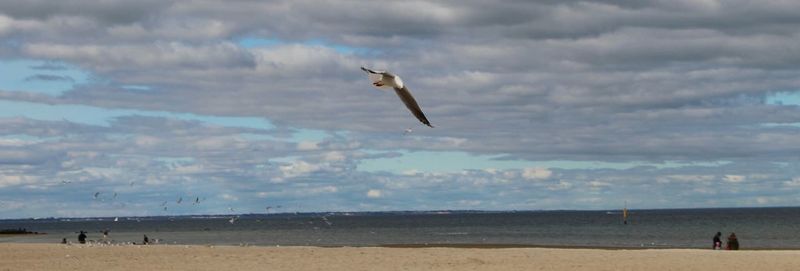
[
  {"x": 114, "y": 242},
  {"x": 18, "y": 256}
]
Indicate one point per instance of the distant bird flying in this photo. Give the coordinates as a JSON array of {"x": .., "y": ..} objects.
[{"x": 384, "y": 79}]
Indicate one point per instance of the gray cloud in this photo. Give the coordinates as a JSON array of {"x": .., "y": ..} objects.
[
  {"x": 115, "y": 12},
  {"x": 49, "y": 77}
]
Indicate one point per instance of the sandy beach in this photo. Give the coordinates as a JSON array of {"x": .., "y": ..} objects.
[{"x": 178, "y": 257}]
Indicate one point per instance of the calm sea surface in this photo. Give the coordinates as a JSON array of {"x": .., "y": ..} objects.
[{"x": 685, "y": 228}]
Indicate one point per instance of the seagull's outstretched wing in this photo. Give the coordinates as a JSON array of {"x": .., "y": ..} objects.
[
  {"x": 412, "y": 105},
  {"x": 373, "y": 71}
]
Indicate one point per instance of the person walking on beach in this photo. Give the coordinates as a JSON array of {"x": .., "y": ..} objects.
[
  {"x": 717, "y": 241},
  {"x": 733, "y": 242},
  {"x": 146, "y": 240},
  {"x": 82, "y": 237}
]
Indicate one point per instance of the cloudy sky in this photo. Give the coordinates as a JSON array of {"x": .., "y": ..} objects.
[{"x": 537, "y": 105}]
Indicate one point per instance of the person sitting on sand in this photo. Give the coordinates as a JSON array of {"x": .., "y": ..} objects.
[
  {"x": 717, "y": 241},
  {"x": 733, "y": 242},
  {"x": 82, "y": 237}
]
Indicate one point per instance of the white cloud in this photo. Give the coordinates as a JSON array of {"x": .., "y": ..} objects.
[
  {"x": 560, "y": 185},
  {"x": 5, "y": 24},
  {"x": 307, "y": 146},
  {"x": 794, "y": 182},
  {"x": 599, "y": 184},
  {"x": 229, "y": 197},
  {"x": 536, "y": 173},
  {"x": 189, "y": 169},
  {"x": 14, "y": 180},
  {"x": 323, "y": 189},
  {"x": 298, "y": 168},
  {"x": 334, "y": 156},
  {"x": 374, "y": 193},
  {"x": 690, "y": 178},
  {"x": 735, "y": 178}
]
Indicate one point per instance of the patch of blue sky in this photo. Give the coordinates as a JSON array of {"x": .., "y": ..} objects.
[
  {"x": 784, "y": 98},
  {"x": 252, "y": 42},
  {"x": 442, "y": 162},
  {"x": 174, "y": 161},
  {"x": 103, "y": 116},
  {"x": 22, "y": 75},
  {"x": 243, "y": 122},
  {"x": 259, "y": 42},
  {"x": 787, "y": 98},
  {"x": 136, "y": 87}
]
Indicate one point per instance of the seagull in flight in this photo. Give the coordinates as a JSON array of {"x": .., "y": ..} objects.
[{"x": 384, "y": 79}]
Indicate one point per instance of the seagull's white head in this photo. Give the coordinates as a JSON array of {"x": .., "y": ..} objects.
[{"x": 398, "y": 83}]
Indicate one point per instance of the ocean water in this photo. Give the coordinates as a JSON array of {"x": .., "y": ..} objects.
[{"x": 756, "y": 228}]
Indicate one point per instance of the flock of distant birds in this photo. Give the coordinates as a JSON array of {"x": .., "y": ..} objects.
[{"x": 197, "y": 200}]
